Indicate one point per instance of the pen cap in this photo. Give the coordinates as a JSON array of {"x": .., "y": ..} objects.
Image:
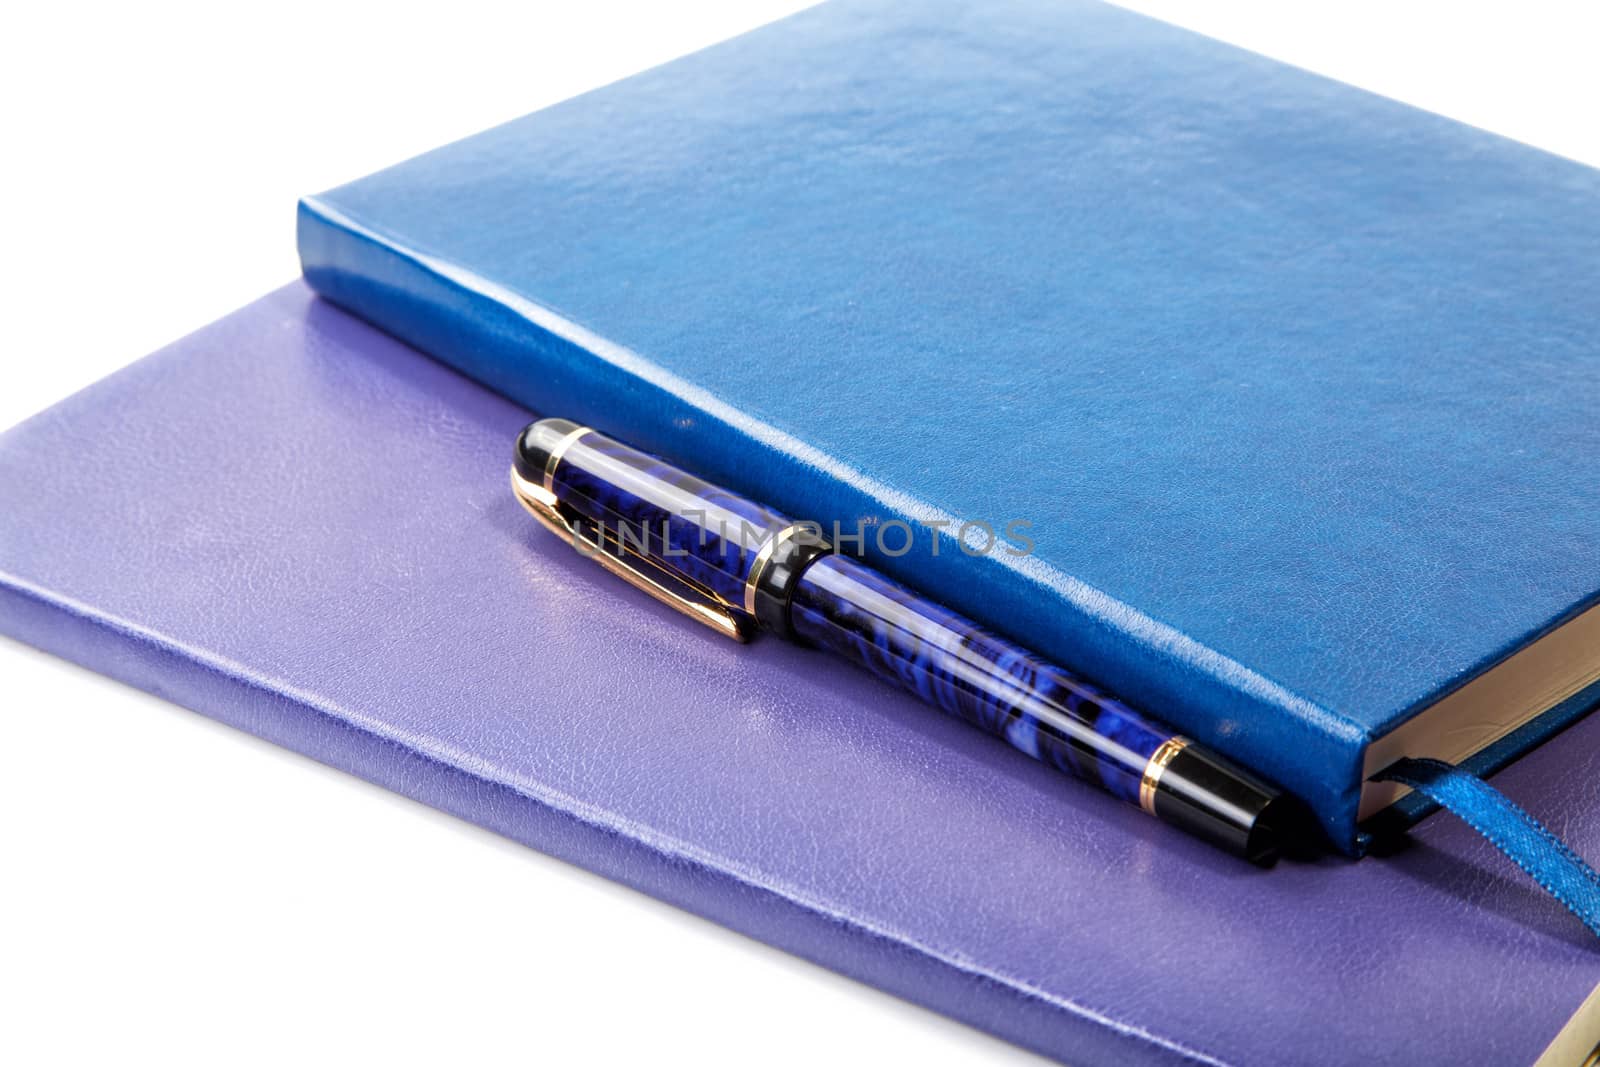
[
  {"x": 710, "y": 537},
  {"x": 536, "y": 446}
]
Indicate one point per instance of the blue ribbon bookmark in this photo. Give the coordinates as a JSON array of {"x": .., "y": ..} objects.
[{"x": 1546, "y": 858}]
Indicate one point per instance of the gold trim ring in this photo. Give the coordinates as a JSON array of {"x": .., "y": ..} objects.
[
  {"x": 554, "y": 459},
  {"x": 763, "y": 557},
  {"x": 1163, "y": 755}
]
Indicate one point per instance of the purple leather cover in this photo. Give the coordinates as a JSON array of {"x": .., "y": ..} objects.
[{"x": 294, "y": 524}]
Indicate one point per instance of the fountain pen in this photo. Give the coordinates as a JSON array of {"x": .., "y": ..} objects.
[{"x": 737, "y": 566}]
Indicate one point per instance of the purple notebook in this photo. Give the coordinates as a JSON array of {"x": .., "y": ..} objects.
[{"x": 303, "y": 528}]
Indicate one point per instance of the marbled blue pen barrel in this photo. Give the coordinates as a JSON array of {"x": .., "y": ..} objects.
[
  {"x": 757, "y": 564},
  {"x": 954, "y": 665}
]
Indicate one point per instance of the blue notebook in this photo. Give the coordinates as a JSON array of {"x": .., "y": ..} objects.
[{"x": 1292, "y": 388}]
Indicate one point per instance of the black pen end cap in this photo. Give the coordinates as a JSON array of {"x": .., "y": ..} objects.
[
  {"x": 535, "y": 445},
  {"x": 1221, "y": 802}
]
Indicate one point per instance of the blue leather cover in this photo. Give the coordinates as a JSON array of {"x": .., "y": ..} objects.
[
  {"x": 1297, "y": 385},
  {"x": 294, "y": 524}
]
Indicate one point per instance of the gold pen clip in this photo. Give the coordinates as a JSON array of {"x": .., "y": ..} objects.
[{"x": 693, "y": 600}]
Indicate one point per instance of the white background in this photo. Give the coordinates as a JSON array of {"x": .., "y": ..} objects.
[{"x": 171, "y": 888}]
